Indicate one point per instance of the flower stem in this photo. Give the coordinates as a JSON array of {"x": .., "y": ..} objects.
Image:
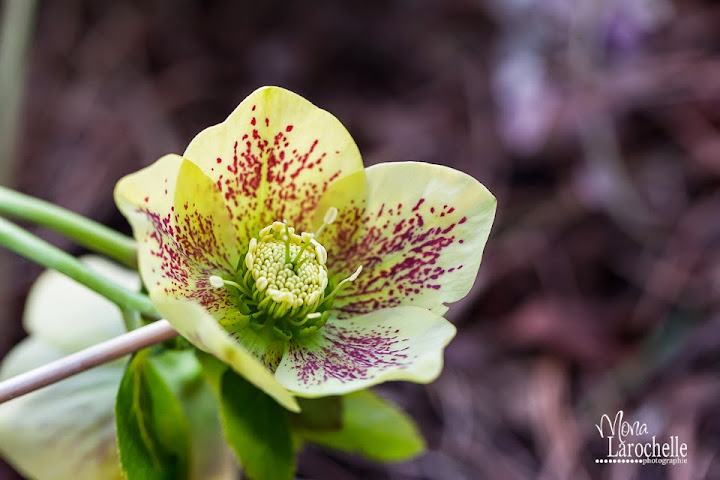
[
  {"x": 38, "y": 250},
  {"x": 104, "y": 352},
  {"x": 86, "y": 232},
  {"x": 16, "y": 32},
  {"x": 131, "y": 319}
]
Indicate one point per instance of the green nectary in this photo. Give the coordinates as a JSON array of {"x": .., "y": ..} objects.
[{"x": 282, "y": 282}]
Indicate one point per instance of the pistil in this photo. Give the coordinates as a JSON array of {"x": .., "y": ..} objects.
[{"x": 283, "y": 283}]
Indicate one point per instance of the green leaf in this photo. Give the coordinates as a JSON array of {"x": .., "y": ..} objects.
[
  {"x": 211, "y": 456},
  {"x": 179, "y": 369},
  {"x": 257, "y": 428},
  {"x": 372, "y": 427},
  {"x": 152, "y": 430},
  {"x": 323, "y": 414}
]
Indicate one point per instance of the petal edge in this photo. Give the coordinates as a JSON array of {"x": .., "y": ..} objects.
[
  {"x": 402, "y": 343},
  {"x": 422, "y": 241},
  {"x": 203, "y": 331}
]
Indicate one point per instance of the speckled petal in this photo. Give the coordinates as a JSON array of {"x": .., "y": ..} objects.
[
  {"x": 262, "y": 344},
  {"x": 65, "y": 431},
  {"x": 273, "y": 158},
  {"x": 403, "y": 343},
  {"x": 195, "y": 324},
  {"x": 184, "y": 237},
  {"x": 423, "y": 231},
  {"x": 347, "y": 196},
  {"x": 183, "y": 231}
]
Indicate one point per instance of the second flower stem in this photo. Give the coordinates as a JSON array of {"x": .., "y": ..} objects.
[
  {"x": 84, "y": 231},
  {"x": 38, "y": 250},
  {"x": 85, "y": 359}
]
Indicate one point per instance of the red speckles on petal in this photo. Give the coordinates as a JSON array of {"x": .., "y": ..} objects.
[
  {"x": 219, "y": 160},
  {"x": 253, "y": 121},
  {"x": 400, "y": 253},
  {"x": 188, "y": 253},
  {"x": 348, "y": 355},
  {"x": 267, "y": 176}
]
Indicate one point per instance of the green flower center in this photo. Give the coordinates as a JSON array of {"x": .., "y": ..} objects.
[{"x": 282, "y": 282}]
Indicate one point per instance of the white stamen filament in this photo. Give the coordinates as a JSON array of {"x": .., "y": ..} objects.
[
  {"x": 219, "y": 282},
  {"x": 313, "y": 297},
  {"x": 249, "y": 256},
  {"x": 349, "y": 279},
  {"x": 330, "y": 215},
  {"x": 329, "y": 218},
  {"x": 320, "y": 252},
  {"x": 261, "y": 283},
  {"x": 286, "y": 239},
  {"x": 309, "y": 316}
]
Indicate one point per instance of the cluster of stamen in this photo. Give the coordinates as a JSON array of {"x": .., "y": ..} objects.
[
  {"x": 282, "y": 283},
  {"x": 288, "y": 269}
]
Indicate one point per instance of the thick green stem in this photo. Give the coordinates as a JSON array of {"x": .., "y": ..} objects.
[
  {"x": 132, "y": 320},
  {"x": 38, "y": 250},
  {"x": 84, "y": 231}
]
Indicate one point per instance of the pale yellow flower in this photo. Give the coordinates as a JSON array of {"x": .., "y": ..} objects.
[{"x": 269, "y": 245}]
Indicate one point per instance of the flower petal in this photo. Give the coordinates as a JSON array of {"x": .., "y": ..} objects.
[
  {"x": 185, "y": 236},
  {"x": 274, "y": 157},
  {"x": 70, "y": 315},
  {"x": 183, "y": 231},
  {"x": 347, "y": 195},
  {"x": 195, "y": 324},
  {"x": 424, "y": 230},
  {"x": 403, "y": 343},
  {"x": 262, "y": 344},
  {"x": 65, "y": 431}
]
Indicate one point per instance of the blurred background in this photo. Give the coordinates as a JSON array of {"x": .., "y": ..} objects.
[{"x": 596, "y": 123}]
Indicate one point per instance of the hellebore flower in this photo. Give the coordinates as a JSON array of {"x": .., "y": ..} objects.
[
  {"x": 66, "y": 431},
  {"x": 269, "y": 245}
]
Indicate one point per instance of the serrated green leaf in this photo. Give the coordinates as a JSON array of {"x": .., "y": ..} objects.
[
  {"x": 152, "y": 430},
  {"x": 257, "y": 428},
  {"x": 319, "y": 414},
  {"x": 374, "y": 428}
]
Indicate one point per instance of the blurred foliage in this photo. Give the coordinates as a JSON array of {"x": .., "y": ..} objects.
[{"x": 596, "y": 125}]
